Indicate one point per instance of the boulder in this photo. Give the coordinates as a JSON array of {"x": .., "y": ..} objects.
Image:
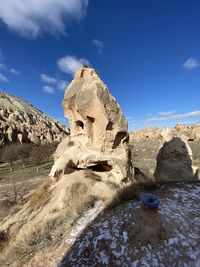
[
  {"x": 99, "y": 138},
  {"x": 174, "y": 162}
]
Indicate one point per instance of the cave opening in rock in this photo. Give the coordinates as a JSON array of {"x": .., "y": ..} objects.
[
  {"x": 79, "y": 124},
  {"x": 109, "y": 126},
  {"x": 101, "y": 166},
  {"x": 121, "y": 137},
  {"x": 91, "y": 119},
  {"x": 191, "y": 140}
]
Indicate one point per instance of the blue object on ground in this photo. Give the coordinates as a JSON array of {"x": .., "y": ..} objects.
[{"x": 150, "y": 201}]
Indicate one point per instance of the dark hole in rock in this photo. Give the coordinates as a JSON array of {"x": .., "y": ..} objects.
[
  {"x": 91, "y": 119},
  {"x": 120, "y": 137},
  {"x": 137, "y": 170},
  {"x": 71, "y": 143},
  {"x": 71, "y": 167},
  {"x": 191, "y": 140},
  {"x": 80, "y": 124},
  {"x": 101, "y": 166},
  {"x": 109, "y": 126}
]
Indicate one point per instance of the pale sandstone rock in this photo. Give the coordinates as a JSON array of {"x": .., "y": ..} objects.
[
  {"x": 17, "y": 117},
  {"x": 20, "y": 138},
  {"x": 166, "y": 134},
  {"x": 174, "y": 162},
  {"x": 99, "y": 138},
  {"x": 33, "y": 138},
  {"x": 147, "y": 133}
]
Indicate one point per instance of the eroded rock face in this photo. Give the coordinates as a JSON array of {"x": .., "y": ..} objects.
[
  {"x": 99, "y": 138},
  {"x": 174, "y": 162},
  {"x": 21, "y": 122}
]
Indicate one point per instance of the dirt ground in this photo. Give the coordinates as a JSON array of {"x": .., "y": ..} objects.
[
  {"x": 19, "y": 180},
  {"x": 145, "y": 151},
  {"x": 127, "y": 236}
]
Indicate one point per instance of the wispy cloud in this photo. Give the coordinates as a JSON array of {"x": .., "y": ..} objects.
[
  {"x": 62, "y": 85},
  {"x": 166, "y": 113},
  {"x": 46, "y": 78},
  {"x": 4, "y": 67},
  {"x": 48, "y": 89},
  {"x": 59, "y": 84},
  {"x": 31, "y": 18},
  {"x": 99, "y": 45},
  {"x": 191, "y": 63},
  {"x": 69, "y": 64},
  {"x": 3, "y": 78},
  {"x": 14, "y": 71},
  {"x": 189, "y": 115}
]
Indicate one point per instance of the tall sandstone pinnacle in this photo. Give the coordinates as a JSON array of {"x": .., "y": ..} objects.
[{"x": 99, "y": 140}]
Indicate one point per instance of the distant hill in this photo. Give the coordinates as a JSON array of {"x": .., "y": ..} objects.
[{"x": 22, "y": 122}]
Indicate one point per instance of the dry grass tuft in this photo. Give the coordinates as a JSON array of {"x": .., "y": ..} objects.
[
  {"x": 130, "y": 192},
  {"x": 41, "y": 194},
  {"x": 43, "y": 223}
]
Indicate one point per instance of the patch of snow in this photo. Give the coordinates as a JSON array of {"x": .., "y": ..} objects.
[{"x": 110, "y": 244}]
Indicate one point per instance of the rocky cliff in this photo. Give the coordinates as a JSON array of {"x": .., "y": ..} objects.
[
  {"x": 99, "y": 139},
  {"x": 21, "y": 122}
]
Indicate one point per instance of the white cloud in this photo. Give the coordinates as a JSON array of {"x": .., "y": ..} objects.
[
  {"x": 189, "y": 115},
  {"x": 33, "y": 17},
  {"x": 14, "y": 71},
  {"x": 69, "y": 64},
  {"x": 62, "y": 85},
  {"x": 99, "y": 45},
  {"x": 166, "y": 113},
  {"x": 48, "y": 89},
  {"x": 3, "y": 78},
  {"x": 191, "y": 63},
  {"x": 48, "y": 79}
]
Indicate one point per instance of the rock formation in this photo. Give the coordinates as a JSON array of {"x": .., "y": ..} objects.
[
  {"x": 21, "y": 122},
  {"x": 174, "y": 162},
  {"x": 99, "y": 140},
  {"x": 186, "y": 132}
]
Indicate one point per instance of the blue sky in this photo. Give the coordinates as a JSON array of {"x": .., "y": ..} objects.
[{"x": 147, "y": 52}]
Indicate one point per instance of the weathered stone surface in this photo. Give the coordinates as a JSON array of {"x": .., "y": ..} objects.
[
  {"x": 21, "y": 122},
  {"x": 147, "y": 133},
  {"x": 174, "y": 162},
  {"x": 99, "y": 138}
]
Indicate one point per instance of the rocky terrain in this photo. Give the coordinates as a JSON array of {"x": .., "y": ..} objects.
[
  {"x": 147, "y": 143},
  {"x": 77, "y": 216},
  {"x": 21, "y": 122},
  {"x": 128, "y": 236}
]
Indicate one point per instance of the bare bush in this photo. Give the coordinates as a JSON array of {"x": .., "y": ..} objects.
[{"x": 17, "y": 195}]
